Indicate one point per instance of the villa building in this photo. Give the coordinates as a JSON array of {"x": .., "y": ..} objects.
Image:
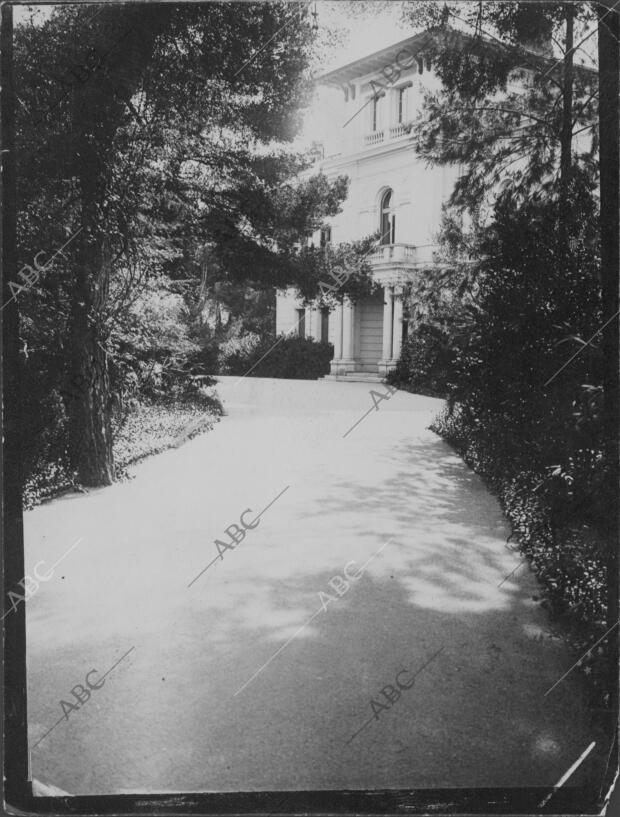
[
  {"x": 369, "y": 108},
  {"x": 390, "y": 190}
]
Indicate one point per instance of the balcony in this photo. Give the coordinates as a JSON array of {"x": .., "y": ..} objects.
[
  {"x": 374, "y": 138},
  {"x": 394, "y": 253},
  {"x": 378, "y": 137},
  {"x": 396, "y": 263},
  {"x": 400, "y": 130}
]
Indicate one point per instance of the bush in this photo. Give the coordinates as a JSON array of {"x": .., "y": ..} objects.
[
  {"x": 527, "y": 423},
  {"x": 289, "y": 357},
  {"x": 238, "y": 346},
  {"x": 563, "y": 540},
  {"x": 47, "y": 479},
  {"x": 425, "y": 362},
  {"x": 44, "y": 416}
]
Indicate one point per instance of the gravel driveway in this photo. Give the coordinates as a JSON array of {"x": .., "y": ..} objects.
[{"x": 361, "y": 561}]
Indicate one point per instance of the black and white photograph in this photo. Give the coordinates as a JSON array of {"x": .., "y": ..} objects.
[{"x": 310, "y": 407}]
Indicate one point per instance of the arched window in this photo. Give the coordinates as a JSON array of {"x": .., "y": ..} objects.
[{"x": 387, "y": 223}]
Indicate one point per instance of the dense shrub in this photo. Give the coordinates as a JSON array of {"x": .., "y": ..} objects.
[
  {"x": 425, "y": 362},
  {"x": 47, "y": 478},
  {"x": 567, "y": 550},
  {"x": 529, "y": 425},
  {"x": 238, "y": 346},
  {"x": 289, "y": 357}
]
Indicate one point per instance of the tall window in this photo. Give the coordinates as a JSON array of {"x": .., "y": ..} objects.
[
  {"x": 388, "y": 220},
  {"x": 376, "y": 110},
  {"x": 324, "y": 325},
  {"x": 326, "y": 236},
  {"x": 402, "y": 111},
  {"x": 301, "y": 323}
]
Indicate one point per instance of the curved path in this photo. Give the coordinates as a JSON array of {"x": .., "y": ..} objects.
[{"x": 254, "y": 677}]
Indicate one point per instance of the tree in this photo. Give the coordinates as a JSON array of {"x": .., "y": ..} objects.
[
  {"x": 326, "y": 275},
  {"x": 532, "y": 389},
  {"x": 155, "y": 137},
  {"x": 521, "y": 136}
]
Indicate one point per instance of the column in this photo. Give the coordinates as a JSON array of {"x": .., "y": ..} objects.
[
  {"x": 316, "y": 324},
  {"x": 388, "y": 331},
  {"x": 348, "y": 335},
  {"x": 336, "y": 317},
  {"x": 338, "y": 339},
  {"x": 308, "y": 322},
  {"x": 397, "y": 334}
]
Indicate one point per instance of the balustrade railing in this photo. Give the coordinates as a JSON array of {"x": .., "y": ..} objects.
[
  {"x": 374, "y": 138},
  {"x": 394, "y": 252},
  {"x": 399, "y": 130},
  {"x": 387, "y": 134}
]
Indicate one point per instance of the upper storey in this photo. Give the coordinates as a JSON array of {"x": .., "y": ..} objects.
[
  {"x": 374, "y": 99},
  {"x": 371, "y": 103}
]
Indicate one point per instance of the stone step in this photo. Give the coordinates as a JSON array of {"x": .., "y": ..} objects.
[{"x": 355, "y": 377}]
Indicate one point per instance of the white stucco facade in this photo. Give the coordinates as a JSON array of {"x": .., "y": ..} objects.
[
  {"x": 367, "y": 109},
  {"x": 391, "y": 190},
  {"x": 370, "y": 105}
]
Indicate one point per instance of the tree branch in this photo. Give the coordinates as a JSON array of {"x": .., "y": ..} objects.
[{"x": 511, "y": 110}]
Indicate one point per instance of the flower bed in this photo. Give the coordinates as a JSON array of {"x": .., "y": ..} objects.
[
  {"x": 153, "y": 427},
  {"x": 148, "y": 428},
  {"x": 568, "y": 559}
]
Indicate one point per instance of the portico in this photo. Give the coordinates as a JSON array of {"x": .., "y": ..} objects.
[{"x": 367, "y": 336}]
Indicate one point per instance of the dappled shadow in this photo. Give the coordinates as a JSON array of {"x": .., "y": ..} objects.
[
  {"x": 245, "y": 682},
  {"x": 478, "y": 714}
]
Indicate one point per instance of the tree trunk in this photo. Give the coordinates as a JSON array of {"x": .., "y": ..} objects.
[
  {"x": 91, "y": 428},
  {"x": 96, "y": 118}
]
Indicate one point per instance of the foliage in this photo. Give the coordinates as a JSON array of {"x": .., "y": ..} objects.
[
  {"x": 326, "y": 275},
  {"x": 153, "y": 427},
  {"x": 254, "y": 309},
  {"x": 426, "y": 360},
  {"x": 520, "y": 238},
  {"x": 438, "y": 305},
  {"x": 288, "y": 357},
  {"x": 536, "y": 299},
  {"x": 504, "y": 133},
  {"x": 152, "y": 346},
  {"x": 156, "y": 138},
  {"x": 47, "y": 479},
  {"x": 530, "y": 425},
  {"x": 146, "y": 428},
  {"x": 238, "y": 346},
  {"x": 568, "y": 554}
]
